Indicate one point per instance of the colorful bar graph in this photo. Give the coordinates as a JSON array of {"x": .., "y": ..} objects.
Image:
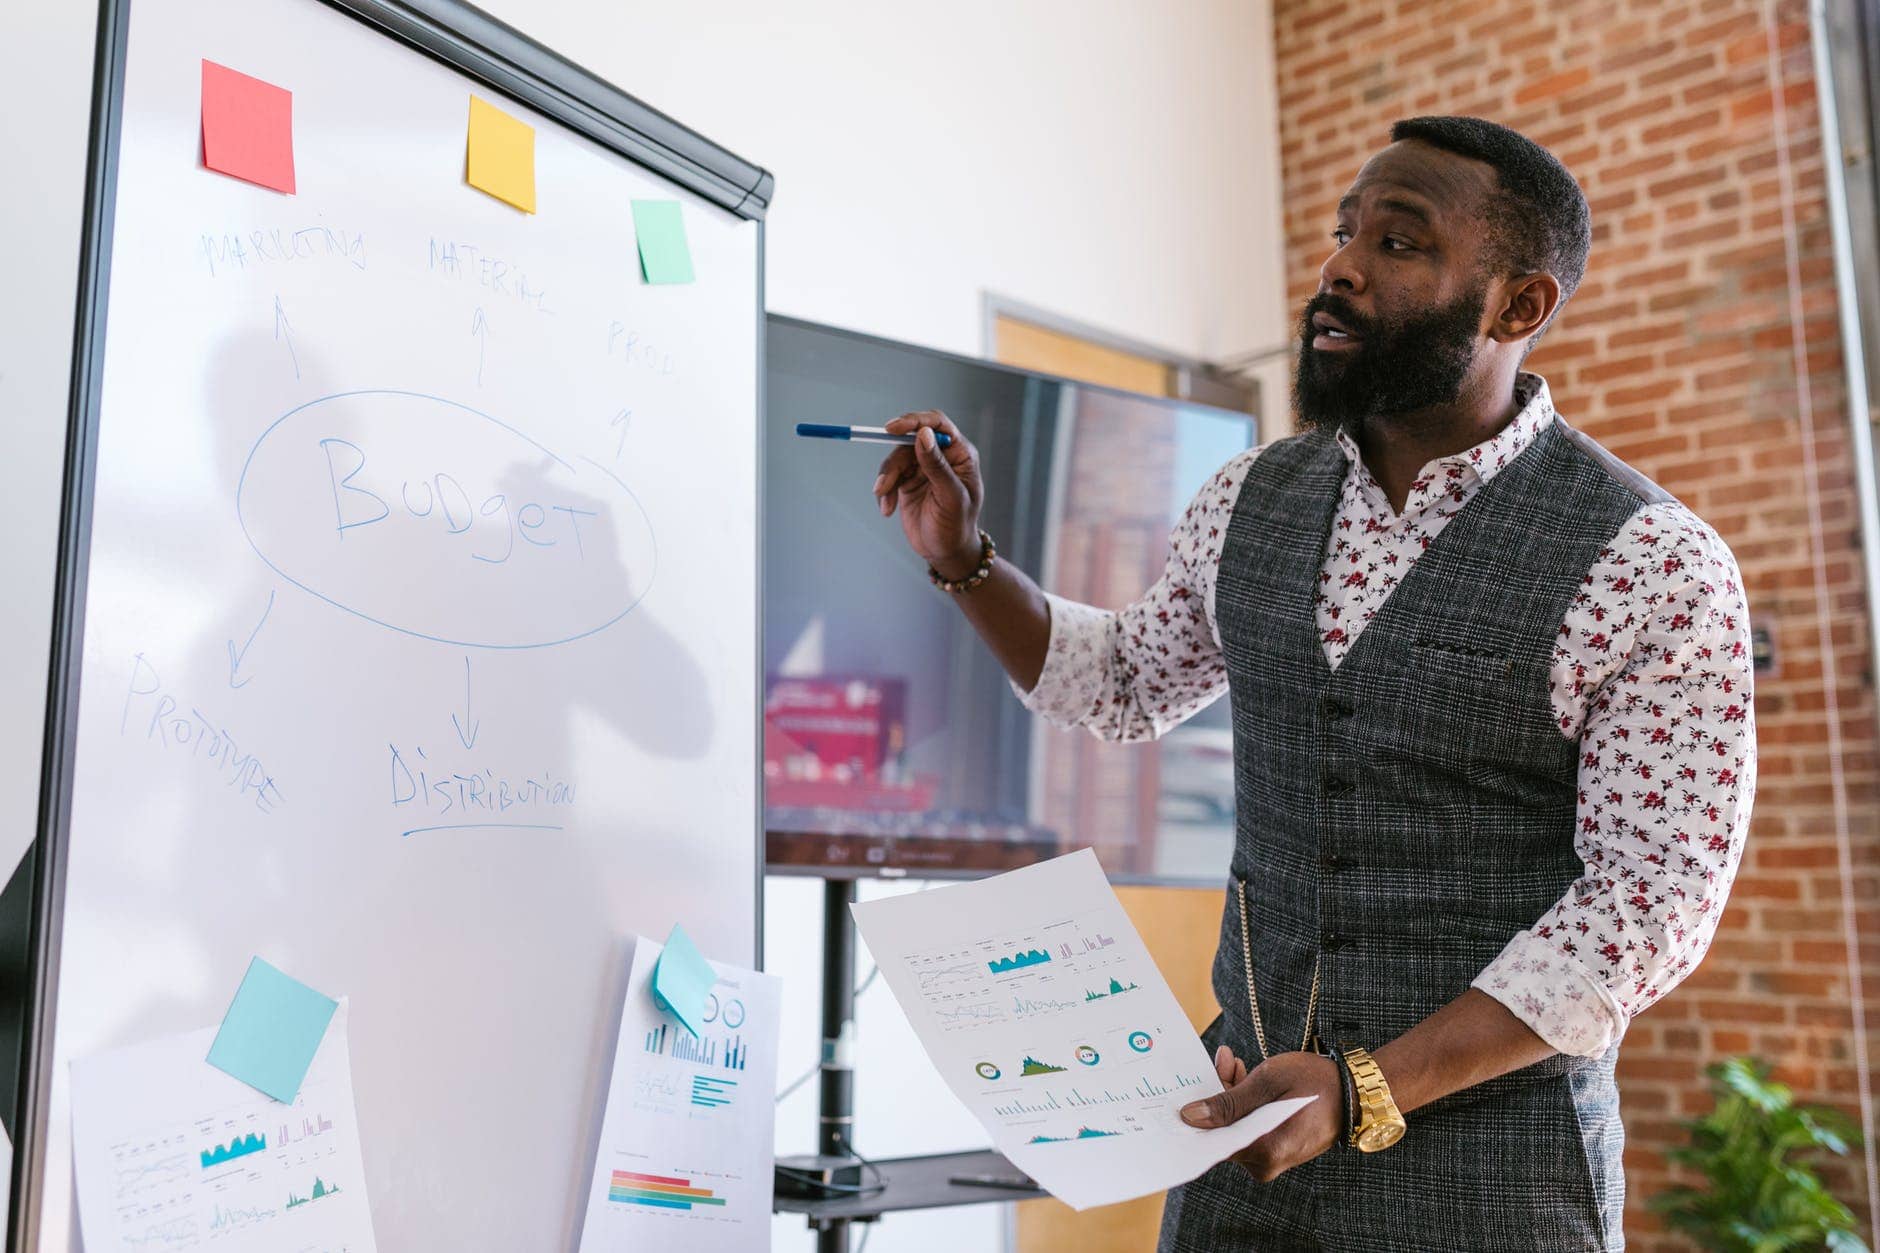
[
  {"x": 736, "y": 1053},
  {"x": 656, "y": 1039},
  {"x": 658, "y": 1191}
]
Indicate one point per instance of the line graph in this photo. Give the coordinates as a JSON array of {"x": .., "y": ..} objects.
[
  {"x": 933, "y": 980},
  {"x": 234, "y": 1218},
  {"x": 138, "y": 1178},
  {"x": 175, "y": 1234},
  {"x": 970, "y": 1015},
  {"x": 1026, "y": 1005}
]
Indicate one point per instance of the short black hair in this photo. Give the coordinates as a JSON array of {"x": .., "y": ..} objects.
[{"x": 1539, "y": 221}]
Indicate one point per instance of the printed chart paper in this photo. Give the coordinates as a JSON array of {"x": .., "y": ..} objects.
[
  {"x": 685, "y": 1153},
  {"x": 1035, "y": 998},
  {"x": 171, "y": 1153}
]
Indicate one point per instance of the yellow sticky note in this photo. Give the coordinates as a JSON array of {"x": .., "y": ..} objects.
[{"x": 501, "y": 156}]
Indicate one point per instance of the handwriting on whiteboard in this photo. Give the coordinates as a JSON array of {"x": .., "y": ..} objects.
[
  {"x": 626, "y": 344},
  {"x": 446, "y": 790},
  {"x": 160, "y": 717},
  {"x": 276, "y": 245},
  {"x": 442, "y": 522},
  {"x": 466, "y": 263}
]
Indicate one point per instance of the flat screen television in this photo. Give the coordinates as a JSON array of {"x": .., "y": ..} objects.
[{"x": 893, "y": 744}]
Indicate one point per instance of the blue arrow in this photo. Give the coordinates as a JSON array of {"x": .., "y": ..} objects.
[
  {"x": 480, "y": 327},
  {"x": 470, "y": 740},
  {"x": 621, "y": 420},
  {"x": 283, "y": 331},
  {"x": 235, "y": 656}
]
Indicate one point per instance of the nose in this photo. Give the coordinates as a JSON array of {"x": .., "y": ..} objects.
[{"x": 1340, "y": 273}]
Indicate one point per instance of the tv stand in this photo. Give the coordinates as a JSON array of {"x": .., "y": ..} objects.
[{"x": 836, "y": 1189}]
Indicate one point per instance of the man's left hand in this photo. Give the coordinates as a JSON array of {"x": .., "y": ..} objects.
[{"x": 1300, "y": 1138}]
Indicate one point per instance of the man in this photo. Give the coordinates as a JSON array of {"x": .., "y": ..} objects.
[{"x": 1494, "y": 751}]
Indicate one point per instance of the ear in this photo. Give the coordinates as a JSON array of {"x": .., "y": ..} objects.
[{"x": 1526, "y": 303}]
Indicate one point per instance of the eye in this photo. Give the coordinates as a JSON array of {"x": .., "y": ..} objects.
[
  {"x": 1394, "y": 244},
  {"x": 1341, "y": 237}
]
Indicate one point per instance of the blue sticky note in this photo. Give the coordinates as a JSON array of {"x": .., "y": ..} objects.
[
  {"x": 660, "y": 231},
  {"x": 683, "y": 980},
  {"x": 271, "y": 1031}
]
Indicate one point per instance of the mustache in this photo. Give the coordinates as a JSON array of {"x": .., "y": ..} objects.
[{"x": 1338, "y": 307}]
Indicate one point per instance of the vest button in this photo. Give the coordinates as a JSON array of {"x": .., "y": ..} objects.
[
  {"x": 1331, "y": 941},
  {"x": 1332, "y": 863},
  {"x": 1337, "y": 785},
  {"x": 1337, "y": 708}
]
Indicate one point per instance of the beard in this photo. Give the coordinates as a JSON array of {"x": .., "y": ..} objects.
[{"x": 1413, "y": 365}]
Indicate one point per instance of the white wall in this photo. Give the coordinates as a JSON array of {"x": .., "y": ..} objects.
[
  {"x": 45, "y": 85},
  {"x": 1114, "y": 161}
]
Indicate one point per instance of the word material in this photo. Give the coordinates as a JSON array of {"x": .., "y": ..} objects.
[
  {"x": 660, "y": 232},
  {"x": 272, "y": 1030},
  {"x": 1080, "y": 1059},
  {"x": 171, "y": 1153},
  {"x": 500, "y": 155},
  {"x": 684, "y": 1160},
  {"x": 247, "y": 128}
]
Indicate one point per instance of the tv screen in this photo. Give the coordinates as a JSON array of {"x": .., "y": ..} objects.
[{"x": 893, "y": 743}]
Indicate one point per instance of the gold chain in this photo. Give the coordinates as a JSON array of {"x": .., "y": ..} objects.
[{"x": 1253, "y": 997}]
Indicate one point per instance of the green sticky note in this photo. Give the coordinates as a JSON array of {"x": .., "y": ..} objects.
[
  {"x": 271, "y": 1031},
  {"x": 664, "y": 257},
  {"x": 683, "y": 980}
]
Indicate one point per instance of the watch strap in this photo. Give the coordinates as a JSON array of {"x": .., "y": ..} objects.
[
  {"x": 1348, "y": 1089},
  {"x": 1376, "y": 1108}
]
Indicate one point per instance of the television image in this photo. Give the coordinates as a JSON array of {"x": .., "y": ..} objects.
[{"x": 893, "y": 743}]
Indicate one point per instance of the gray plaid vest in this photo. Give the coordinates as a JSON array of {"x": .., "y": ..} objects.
[{"x": 1398, "y": 820}]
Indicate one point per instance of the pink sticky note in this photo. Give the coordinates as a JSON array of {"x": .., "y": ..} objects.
[{"x": 247, "y": 127}]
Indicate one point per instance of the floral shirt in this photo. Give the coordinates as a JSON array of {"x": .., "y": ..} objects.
[{"x": 1651, "y": 676}]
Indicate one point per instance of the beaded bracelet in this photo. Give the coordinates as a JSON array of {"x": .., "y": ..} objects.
[{"x": 984, "y": 571}]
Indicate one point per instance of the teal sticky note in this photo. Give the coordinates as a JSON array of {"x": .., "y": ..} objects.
[
  {"x": 664, "y": 257},
  {"x": 683, "y": 979},
  {"x": 271, "y": 1031}
]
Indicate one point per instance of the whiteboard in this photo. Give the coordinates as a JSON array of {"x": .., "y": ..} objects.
[{"x": 419, "y": 643}]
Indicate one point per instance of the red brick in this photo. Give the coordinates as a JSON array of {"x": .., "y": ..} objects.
[{"x": 1554, "y": 85}]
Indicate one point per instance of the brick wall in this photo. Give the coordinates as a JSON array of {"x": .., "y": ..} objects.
[{"x": 1677, "y": 353}]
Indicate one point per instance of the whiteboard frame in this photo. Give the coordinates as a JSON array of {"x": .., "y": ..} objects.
[{"x": 490, "y": 53}]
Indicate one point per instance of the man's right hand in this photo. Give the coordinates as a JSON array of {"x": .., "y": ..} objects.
[{"x": 938, "y": 491}]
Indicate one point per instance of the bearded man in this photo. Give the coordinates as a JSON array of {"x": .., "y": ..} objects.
[{"x": 1493, "y": 742}]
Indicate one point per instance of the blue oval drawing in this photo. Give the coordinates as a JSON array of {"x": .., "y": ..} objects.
[{"x": 436, "y": 520}]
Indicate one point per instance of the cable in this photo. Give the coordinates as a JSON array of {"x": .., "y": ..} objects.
[
  {"x": 874, "y": 972},
  {"x": 842, "y": 1189}
]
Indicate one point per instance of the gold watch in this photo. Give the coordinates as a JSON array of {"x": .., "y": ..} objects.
[{"x": 1379, "y": 1123}]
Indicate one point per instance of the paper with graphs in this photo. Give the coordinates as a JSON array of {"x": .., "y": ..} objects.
[
  {"x": 171, "y": 1153},
  {"x": 1039, "y": 1004},
  {"x": 685, "y": 1159}
]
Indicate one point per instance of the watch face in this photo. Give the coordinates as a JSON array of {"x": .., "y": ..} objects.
[{"x": 1380, "y": 1135}]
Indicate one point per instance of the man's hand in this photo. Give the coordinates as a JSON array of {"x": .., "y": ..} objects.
[
  {"x": 1300, "y": 1138},
  {"x": 937, "y": 490}
]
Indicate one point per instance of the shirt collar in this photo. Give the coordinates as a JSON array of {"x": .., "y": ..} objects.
[{"x": 1492, "y": 455}]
